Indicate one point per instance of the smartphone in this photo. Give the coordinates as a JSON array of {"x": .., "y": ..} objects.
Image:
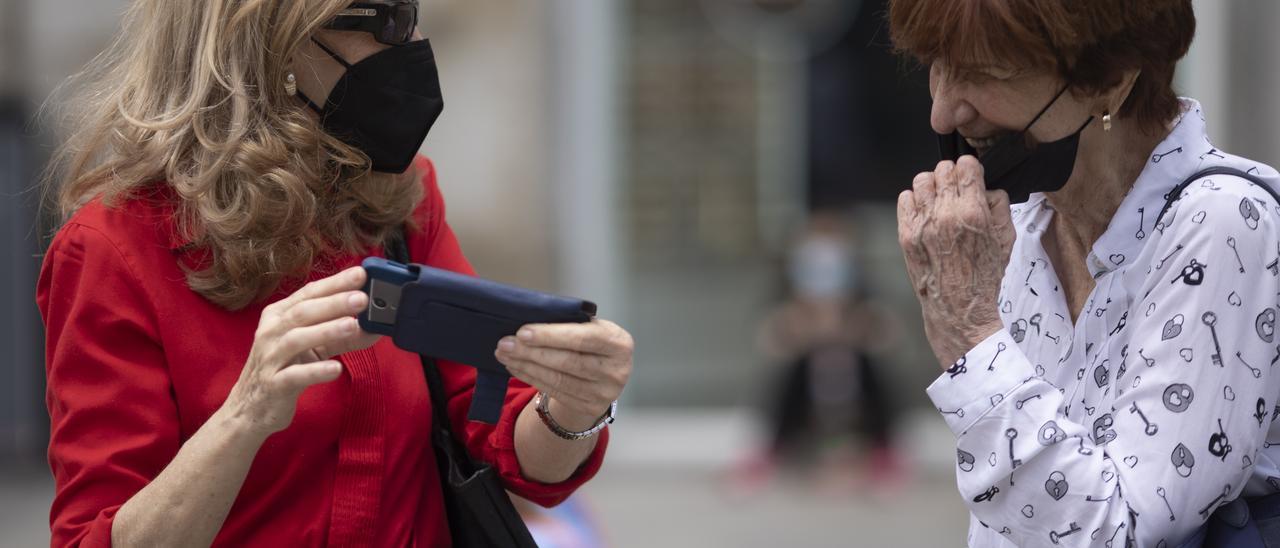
[{"x": 383, "y": 286}]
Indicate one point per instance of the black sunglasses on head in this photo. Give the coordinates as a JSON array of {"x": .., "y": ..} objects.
[{"x": 391, "y": 22}]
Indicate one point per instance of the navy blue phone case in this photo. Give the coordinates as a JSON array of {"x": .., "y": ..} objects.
[{"x": 460, "y": 318}]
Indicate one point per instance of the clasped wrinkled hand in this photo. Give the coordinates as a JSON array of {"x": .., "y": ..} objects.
[{"x": 956, "y": 237}]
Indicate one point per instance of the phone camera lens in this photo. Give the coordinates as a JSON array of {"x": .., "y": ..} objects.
[{"x": 379, "y": 303}]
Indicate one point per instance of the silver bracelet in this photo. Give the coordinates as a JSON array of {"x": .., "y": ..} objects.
[{"x": 540, "y": 404}]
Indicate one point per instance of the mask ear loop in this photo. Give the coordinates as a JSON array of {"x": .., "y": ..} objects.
[
  {"x": 310, "y": 103},
  {"x": 1046, "y": 109},
  {"x": 335, "y": 57}
]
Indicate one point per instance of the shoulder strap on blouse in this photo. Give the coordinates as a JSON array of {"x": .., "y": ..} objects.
[{"x": 1176, "y": 194}]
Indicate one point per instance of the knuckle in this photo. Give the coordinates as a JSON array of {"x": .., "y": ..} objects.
[
  {"x": 907, "y": 241},
  {"x": 292, "y": 316},
  {"x": 581, "y": 341},
  {"x": 621, "y": 376},
  {"x": 558, "y": 381},
  {"x": 603, "y": 393},
  {"x": 567, "y": 361},
  {"x": 941, "y": 223},
  {"x": 975, "y": 211},
  {"x": 626, "y": 343},
  {"x": 288, "y": 341},
  {"x": 263, "y": 332}
]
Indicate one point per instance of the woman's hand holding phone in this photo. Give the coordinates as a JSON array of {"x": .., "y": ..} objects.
[
  {"x": 582, "y": 367},
  {"x": 297, "y": 338}
]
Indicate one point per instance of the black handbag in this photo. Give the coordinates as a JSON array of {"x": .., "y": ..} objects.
[
  {"x": 1252, "y": 522},
  {"x": 479, "y": 509}
]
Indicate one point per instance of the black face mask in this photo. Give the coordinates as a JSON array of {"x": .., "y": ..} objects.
[
  {"x": 1011, "y": 165},
  {"x": 385, "y": 105}
]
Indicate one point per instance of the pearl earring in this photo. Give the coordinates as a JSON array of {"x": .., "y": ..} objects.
[
  {"x": 291, "y": 84},
  {"x": 1106, "y": 122}
]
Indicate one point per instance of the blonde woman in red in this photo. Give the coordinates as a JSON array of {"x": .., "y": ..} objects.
[{"x": 231, "y": 163}]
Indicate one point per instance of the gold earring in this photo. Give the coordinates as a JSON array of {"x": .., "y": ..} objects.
[
  {"x": 291, "y": 84},
  {"x": 1106, "y": 121}
]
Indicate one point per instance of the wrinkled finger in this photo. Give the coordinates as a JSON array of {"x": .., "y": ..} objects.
[
  {"x": 360, "y": 340},
  {"x": 944, "y": 179},
  {"x": 585, "y": 367},
  {"x": 323, "y": 309},
  {"x": 908, "y": 225},
  {"x": 1001, "y": 215},
  {"x": 554, "y": 383},
  {"x": 301, "y": 339},
  {"x": 297, "y": 378},
  {"x": 969, "y": 177},
  {"x": 998, "y": 204},
  {"x": 906, "y": 206},
  {"x": 349, "y": 279},
  {"x": 924, "y": 190},
  {"x": 589, "y": 338}
]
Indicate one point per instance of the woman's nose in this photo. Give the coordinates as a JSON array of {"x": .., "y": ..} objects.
[{"x": 950, "y": 109}]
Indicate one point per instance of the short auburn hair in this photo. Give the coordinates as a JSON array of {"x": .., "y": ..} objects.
[{"x": 1090, "y": 44}]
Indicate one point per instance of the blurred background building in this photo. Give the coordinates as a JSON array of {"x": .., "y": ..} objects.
[{"x": 655, "y": 156}]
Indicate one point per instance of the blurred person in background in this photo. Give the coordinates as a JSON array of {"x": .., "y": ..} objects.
[
  {"x": 1109, "y": 339},
  {"x": 829, "y": 393},
  {"x": 231, "y": 164}
]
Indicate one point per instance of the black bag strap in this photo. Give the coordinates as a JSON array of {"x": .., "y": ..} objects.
[
  {"x": 1176, "y": 194},
  {"x": 481, "y": 514},
  {"x": 397, "y": 250}
]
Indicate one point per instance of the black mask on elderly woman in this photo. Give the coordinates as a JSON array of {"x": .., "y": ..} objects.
[
  {"x": 1015, "y": 167},
  {"x": 385, "y": 105}
]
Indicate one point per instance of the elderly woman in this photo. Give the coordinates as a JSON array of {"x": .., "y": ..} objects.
[
  {"x": 231, "y": 164},
  {"x": 1109, "y": 365}
]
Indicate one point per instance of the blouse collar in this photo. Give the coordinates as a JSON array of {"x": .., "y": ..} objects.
[{"x": 1185, "y": 151}]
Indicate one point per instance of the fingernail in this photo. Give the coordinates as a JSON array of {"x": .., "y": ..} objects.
[
  {"x": 525, "y": 334},
  {"x": 356, "y": 300},
  {"x": 351, "y": 325},
  {"x": 506, "y": 345}
]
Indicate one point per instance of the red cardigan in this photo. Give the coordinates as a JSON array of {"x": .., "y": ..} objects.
[{"x": 137, "y": 362}]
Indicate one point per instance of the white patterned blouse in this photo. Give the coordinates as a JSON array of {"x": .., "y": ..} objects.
[{"x": 1157, "y": 405}]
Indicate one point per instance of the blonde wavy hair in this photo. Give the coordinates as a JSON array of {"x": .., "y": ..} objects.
[{"x": 191, "y": 95}]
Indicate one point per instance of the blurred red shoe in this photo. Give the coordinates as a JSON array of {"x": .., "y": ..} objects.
[{"x": 752, "y": 474}]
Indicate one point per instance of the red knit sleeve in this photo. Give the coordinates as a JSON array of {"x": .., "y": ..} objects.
[
  {"x": 494, "y": 444},
  {"x": 113, "y": 421}
]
